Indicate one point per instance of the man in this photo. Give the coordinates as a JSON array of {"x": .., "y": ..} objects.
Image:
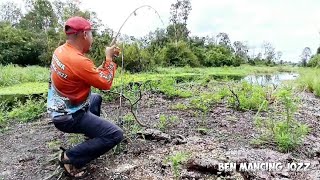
[{"x": 73, "y": 108}]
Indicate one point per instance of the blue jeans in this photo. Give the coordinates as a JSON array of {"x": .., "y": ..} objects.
[{"x": 103, "y": 134}]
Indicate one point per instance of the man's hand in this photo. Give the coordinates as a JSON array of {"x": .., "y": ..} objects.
[{"x": 112, "y": 51}]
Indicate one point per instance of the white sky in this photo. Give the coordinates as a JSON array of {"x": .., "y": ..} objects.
[{"x": 290, "y": 25}]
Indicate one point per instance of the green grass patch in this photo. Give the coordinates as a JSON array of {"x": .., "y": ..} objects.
[
  {"x": 11, "y": 74},
  {"x": 245, "y": 96},
  {"x": 309, "y": 80},
  {"x": 165, "y": 121},
  {"x": 28, "y": 111},
  {"x": 25, "y": 89}
]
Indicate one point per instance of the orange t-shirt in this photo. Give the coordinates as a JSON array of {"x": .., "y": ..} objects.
[{"x": 73, "y": 74}]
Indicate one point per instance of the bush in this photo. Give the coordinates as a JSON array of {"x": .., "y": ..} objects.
[
  {"x": 315, "y": 61},
  {"x": 179, "y": 55},
  {"x": 136, "y": 59},
  {"x": 19, "y": 46},
  {"x": 220, "y": 56}
]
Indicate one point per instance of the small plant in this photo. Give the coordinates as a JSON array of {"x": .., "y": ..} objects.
[
  {"x": 75, "y": 139},
  {"x": 165, "y": 121},
  {"x": 168, "y": 88},
  {"x": 204, "y": 101},
  {"x": 54, "y": 145},
  {"x": 287, "y": 133},
  {"x": 247, "y": 97},
  {"x": 179, "y": 106},
  {"x": 130, "y": 125},
  {"x": 28, "y": 111},
  {"x": 202, "y": 131},
  {"x": 176, "y": 161}
]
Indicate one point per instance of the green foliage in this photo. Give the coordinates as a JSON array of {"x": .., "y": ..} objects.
[
  {"x": 309, "y": 80},
  {"x": 204, "y": 101},
  {"x": 165, "y": 121},
  {"x": 219, "y": 55},
  {"x": 247, "y": 97},
  {"x": 19, "y": 46},
  {"x": 28, "y": 111},
  {"x": 176, "y": 160},
  {"x": 136, "y": 59},
  {"x": 286, "y": 132},
  {"x": 53, "y": 145},
  {"x": 130, "y": 125},
  {"x": 179, "y": 55},
  {"x": 167, "y": 87},
  {"x": 74, "y": 139},
  {"x": 314, "y": 61},
  {"x": 179, "y": 106},
  {"x": 11, "y": 74}
]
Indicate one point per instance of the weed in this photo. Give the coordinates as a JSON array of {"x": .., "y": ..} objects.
[
  {"x": 247, "y": 97},
  {"x": 179, "y": 106},
  {"x": 204, "y": 101},
  {"x": 176, "y": 161},
  {"x": 130, "y": 125},
  {"x": 202, "y": 131},
  {"x": 165, "y": 121},
  {"x": 75, "y": 139},
  {"x": 53, "y": 145},
  {"x": 287, "y": 133},
  {"x": 28, "y": 111},
  {"x": 167, "y": 87},
  {"x": 309, "y": 80},
  {"x": 11, "y": 74}
]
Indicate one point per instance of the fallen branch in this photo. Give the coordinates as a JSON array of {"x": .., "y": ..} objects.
[{"x": 132, "y": 104}]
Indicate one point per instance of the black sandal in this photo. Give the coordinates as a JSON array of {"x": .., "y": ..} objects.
[{"x": 62, "y": 162}]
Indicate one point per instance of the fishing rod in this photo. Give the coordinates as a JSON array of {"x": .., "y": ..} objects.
[
  {"x": 117, "y": 53},
  {"x": 134, "y": 12}
]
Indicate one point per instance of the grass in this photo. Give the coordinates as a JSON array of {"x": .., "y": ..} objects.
[
  {"x": 25, "y": 89},
  {"x": 245, "y": 96},
  {"x": 165, "y": 121},
  {"x": 280, "y": 127},
  {"x": 309, "y": 80},
  {"x": 175, "y": 161},
  {"x": 12, "y": 75},
  {"x": 130, "y": 125},
  {"x": 28, "y": 111}
]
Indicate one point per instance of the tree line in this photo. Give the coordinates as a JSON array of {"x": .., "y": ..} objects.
[{"x": 30, "y": 38}]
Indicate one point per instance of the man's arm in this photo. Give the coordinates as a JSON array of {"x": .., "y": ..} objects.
[{"x": 101, "y": 78}]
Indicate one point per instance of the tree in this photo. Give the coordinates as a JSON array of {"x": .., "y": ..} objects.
[
  {"x": 10, "y": 12},
  {"x": 219, "y": 55},
  {"x": 318, "y": 50},
  {"x": 19, "y": 46},
  {"x": 223, "y": 39},
  {"x": 241, "y": 50},
  {"x": 269, "y": 52},
  {"x": 278, "y": 56},
  {"x": 305, "y": 56},
  {"x": 40, "y": 17},
  {"x": 179, "y": 11}
]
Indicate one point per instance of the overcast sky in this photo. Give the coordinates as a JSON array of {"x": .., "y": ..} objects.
[{"x": 290, "y": 25}]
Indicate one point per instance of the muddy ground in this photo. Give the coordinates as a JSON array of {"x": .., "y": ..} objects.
[{"x": 29, "y": 151}]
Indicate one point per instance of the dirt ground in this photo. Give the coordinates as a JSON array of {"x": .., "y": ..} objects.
[{"x": 28, "y": 151}]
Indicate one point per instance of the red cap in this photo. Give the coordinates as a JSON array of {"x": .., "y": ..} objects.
[{"x": 77, "y": 24}]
